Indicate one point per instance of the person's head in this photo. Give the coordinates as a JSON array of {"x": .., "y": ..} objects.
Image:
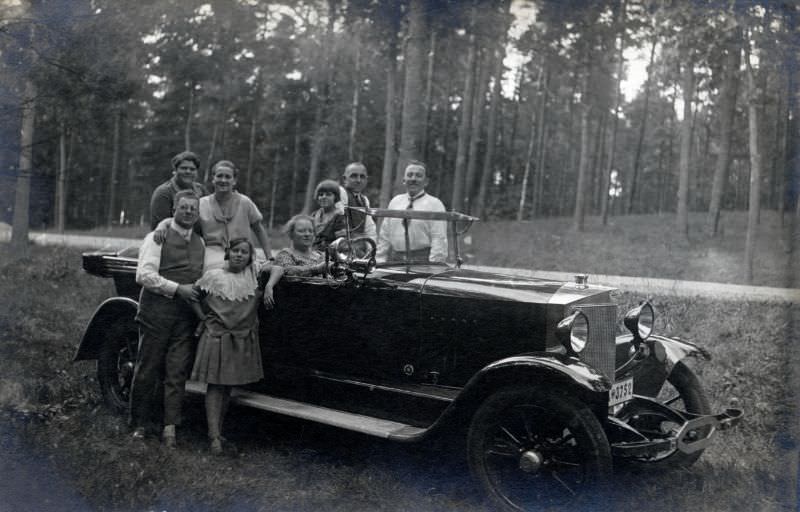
[
  {"x": 184, "y": 168},
  {"x": 223, "y": 176},
  {"x": 300, "y": 229},
  {"x": 327, "y": 194},
  {"x": 239, "y": 254},
  {"x": 355, "y": 177},
  {"x": 186, "y": 207},
  {"x": 415, "y": 177}
]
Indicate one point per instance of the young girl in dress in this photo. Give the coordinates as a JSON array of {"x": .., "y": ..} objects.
[{"x": 228, "y": 353}]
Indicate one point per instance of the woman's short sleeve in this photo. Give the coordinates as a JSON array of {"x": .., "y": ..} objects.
[{"x": 251, "y": 210}]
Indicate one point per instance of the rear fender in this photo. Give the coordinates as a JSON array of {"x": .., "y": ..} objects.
[
  {"x": 652, "y": 370},
  {"x": 109, "y": 315}
]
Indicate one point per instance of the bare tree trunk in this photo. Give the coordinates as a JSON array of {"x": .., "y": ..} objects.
[
  {"x": 754, "y": 200},
  {"x": 295, "y": 167},
  {"x": 211, "y": 149},
  {"x": 523, "y": 190},
  {"x": 112, "y": 185},
  {"x": 414, "y": 62},
  {"x": 541, "y": 131},
  {"x": 491, "y": 131},
  {"x": 187, "y": 131},
  {"x": 429, "y": 93},
  {"x": 583, "y": 163},
  {"x": 320, "y": 123},
  {"x": 726, "y": 122},
  {"x": 517, "y": 101},
  {"x": 598, "y": 158},
  {"x": 612, "y": 144},
  {"x": 390, "y": 135},
  {"x": 686, "y": 141},
  {"x": 251, "y": 152},
  {"x": 635, "y": 173},
  {"x": 61, "y": 198},
  {"x": 459, "y": 176},
  {"x": 475, "y": 137},
  {"x": 20, "y": 222},
  {"x": 276, "y": 170},
  {"x": 354, "y": 108}
]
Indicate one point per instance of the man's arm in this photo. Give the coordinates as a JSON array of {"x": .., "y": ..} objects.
[{"x": 147, "y": 269}]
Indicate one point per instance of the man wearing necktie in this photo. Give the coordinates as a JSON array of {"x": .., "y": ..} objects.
[
  {"x": 427, "y": 239},
  {"x": 355, "y": 180}
]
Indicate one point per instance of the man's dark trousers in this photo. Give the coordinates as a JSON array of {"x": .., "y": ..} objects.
[{"x": 166, "y": 336}]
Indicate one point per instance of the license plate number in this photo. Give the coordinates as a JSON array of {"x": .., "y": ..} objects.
[{"x": 621, "y": 391}]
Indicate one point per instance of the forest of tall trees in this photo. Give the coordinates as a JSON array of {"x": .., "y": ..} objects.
[{"x": 521, "y": 108}]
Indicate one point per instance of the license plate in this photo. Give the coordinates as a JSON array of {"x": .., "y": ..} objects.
[{"x": 621, "y": 391}]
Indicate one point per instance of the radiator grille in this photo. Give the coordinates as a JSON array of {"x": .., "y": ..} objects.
[{"x": 600, "y": 351}]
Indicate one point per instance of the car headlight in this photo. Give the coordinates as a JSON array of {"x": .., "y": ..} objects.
[
  {"x": 573, "y": 332},
  {"x": 640, "y": 321},
  {"x": 341, "y": 250}
]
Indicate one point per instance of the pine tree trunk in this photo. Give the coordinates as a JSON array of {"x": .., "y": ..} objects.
[
  {"x": 523, "y": 189},
  {"x": 212, "y": 147},
  {"x": 475, "y": 137},
  {"x": 726, "y": 122},
  {"x": 541, "y": 145},
  {"x": 462, "y": 149},
  {"x": 187, "y": 131},
  {"x": 251, "y": 151},
  {"x": 61, "y": 183},
  {"x": 112, "y": 185},
  {"x": 612, "y": 144},
  {"x": 642, "y": 130},
  {"x": 320, "y": 124},
  {"x": 354, "y": 107},
  {"x": 754, "y": 201},
  {"x": 390, "y": 135},
  {"x": 20, "y": 222},
  {"x": 687, "y": 80},
  {"x": 429, "y": 93},
  {"x": 295, "y": 167},
  {"x": 276, "y": 174},
  {"x": 491, "y": 130},
  {"x": 514, "y": 121},
  {"x": 583, "y": 163},
  {"x": 413, "y": 90}
]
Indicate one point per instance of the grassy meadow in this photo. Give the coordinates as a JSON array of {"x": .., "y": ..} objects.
[{"x": 52, "y": 409}]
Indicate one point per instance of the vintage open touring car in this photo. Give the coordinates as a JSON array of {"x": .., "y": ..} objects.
[{"x": 531, "y": 372}]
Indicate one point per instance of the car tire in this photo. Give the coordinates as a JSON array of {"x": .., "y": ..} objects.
[
  {"x": 686, "y": 394},
  {"x": 528, "y": 447},
  {"x": 115, "y": 366}
]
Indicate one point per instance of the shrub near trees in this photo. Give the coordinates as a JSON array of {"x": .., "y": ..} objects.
[{"x": 516, "y": 106}]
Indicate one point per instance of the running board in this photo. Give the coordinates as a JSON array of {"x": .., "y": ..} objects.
[{"x": 377, "y": 427}]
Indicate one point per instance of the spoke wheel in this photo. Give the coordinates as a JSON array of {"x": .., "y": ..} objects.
[
  {"x": 682, "y": 392},
  {"x": 531, "y": 448},
  {"x": 115, "y": 367}
]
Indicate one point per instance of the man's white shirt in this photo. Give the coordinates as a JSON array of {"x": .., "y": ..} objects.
[{"x": 421, "y": 233}]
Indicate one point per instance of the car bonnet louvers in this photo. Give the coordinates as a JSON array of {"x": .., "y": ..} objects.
[{"x": 600, "y": 351}]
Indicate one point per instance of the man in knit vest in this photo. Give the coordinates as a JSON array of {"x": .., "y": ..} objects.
[
  {"x": 355, "y": 180},
  {"x": 166, "y": 321}
]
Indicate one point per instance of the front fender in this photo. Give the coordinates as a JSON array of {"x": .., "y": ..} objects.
[
  {"x": 556, "y": 372},
  {"x": 112, "y": 313},
  {"x": 652, "y": 370}
]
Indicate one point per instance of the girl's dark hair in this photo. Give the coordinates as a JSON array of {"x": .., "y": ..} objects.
[{"x": 328, "y": 186}]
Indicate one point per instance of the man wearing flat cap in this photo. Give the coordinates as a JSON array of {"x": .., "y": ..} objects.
[{"x": 184, "y": 175}]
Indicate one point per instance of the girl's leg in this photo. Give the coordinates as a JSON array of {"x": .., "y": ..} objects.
[{"x": 214, "y": 398}]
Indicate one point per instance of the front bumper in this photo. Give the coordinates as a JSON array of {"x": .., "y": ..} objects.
[{"x": 646, "y": 429}]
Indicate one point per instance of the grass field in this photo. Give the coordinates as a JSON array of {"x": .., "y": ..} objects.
[
  {"x": 633, "y": 245},
  {"x": 52, "y": 408}
]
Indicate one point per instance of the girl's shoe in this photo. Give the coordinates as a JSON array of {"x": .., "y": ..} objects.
[{"x": 216, "y": 446}]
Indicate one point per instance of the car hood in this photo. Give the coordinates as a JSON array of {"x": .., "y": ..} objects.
[{"x": 439, "y": 280}]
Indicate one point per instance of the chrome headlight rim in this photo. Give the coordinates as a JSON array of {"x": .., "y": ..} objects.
[
  {"x": 640, "y": 321},
  {"x": 573, "y": 332},
  {"x": 341, "y": 250}
]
